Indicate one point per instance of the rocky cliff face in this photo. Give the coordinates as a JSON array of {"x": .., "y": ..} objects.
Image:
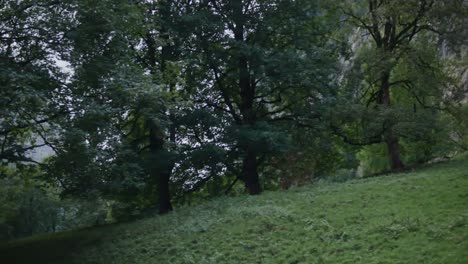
[
  {"x": 461, "y": 53},
  {"x": 40, "y": 153}
]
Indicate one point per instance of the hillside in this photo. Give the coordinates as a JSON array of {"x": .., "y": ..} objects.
[{"x": 414, "y": 217}]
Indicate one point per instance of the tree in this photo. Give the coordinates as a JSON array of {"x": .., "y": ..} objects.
[
  {"x": 125, "y": 82},
  {"x": 159, "y": 57},
  {"x": 396, "y": 31},
  {"x": 101, "y": 149},
  {"x": 256, "y": 63}
]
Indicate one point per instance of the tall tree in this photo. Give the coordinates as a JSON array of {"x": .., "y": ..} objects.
[
  {"x": 259, "y": 62},
  {"x": 392, "y": 28},
  {"x": 159, "y": 57},
  {"x": 107, "y": 93}
]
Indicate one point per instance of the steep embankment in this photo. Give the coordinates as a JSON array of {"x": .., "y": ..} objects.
[{"x": 416, "y": 217}]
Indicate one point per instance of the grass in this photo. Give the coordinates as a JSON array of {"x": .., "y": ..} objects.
[{"x": 413, "y": 217}]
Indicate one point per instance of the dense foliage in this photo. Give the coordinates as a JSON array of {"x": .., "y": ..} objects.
[{"x": 115, "y": 109}]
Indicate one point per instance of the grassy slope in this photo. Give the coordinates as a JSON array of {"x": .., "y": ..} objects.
[{"x": 417, "y": 217}]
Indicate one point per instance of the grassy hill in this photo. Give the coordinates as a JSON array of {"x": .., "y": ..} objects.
[{"x": 414, "y": 217}]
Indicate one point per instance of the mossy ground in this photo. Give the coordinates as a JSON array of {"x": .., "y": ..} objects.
[{"x": 413, "y": 217}]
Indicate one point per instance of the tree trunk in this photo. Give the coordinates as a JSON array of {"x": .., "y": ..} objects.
[
  {"x": 161, "y": 169},
  {"x": 165, "y": 205},
  {"x": 394, "y": 151},
  {"x": 247, "y": 97},
  {"x": 391, "y": 139},
  {"x": 250, "y": 174},
  {"x": 163, "y": 164}
]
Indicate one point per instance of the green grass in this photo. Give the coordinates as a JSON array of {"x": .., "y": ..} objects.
[{"x": 413, "y": 217}]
